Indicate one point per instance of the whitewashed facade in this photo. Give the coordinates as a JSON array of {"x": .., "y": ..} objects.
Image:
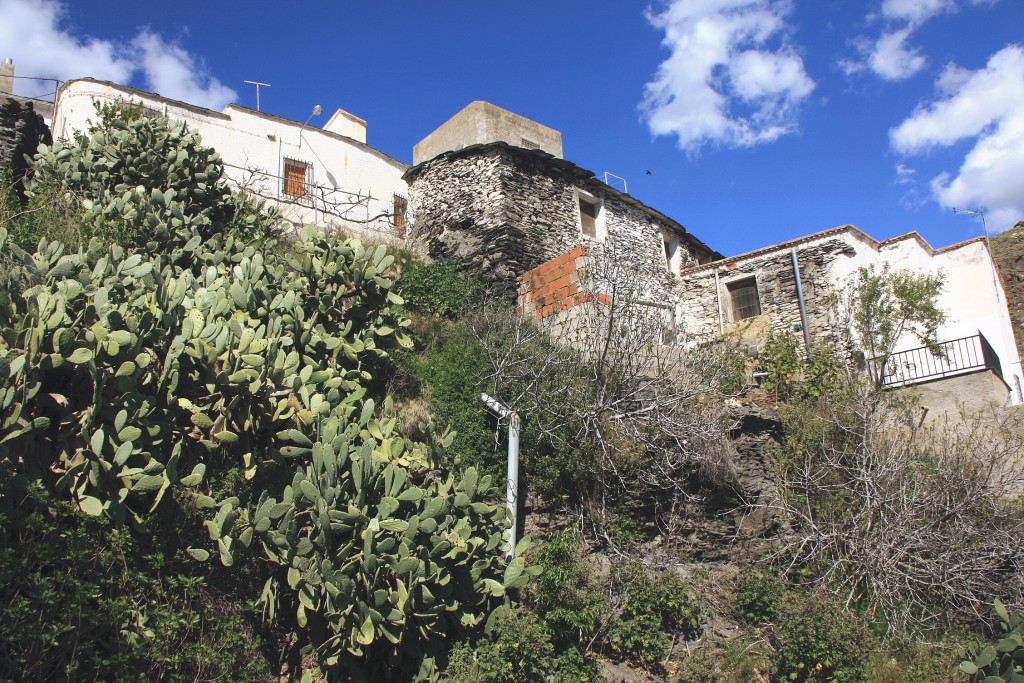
[{"x": 328, "y": 176}]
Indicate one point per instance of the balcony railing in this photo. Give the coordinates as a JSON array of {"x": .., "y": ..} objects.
[{"x": 955, "y": 357}]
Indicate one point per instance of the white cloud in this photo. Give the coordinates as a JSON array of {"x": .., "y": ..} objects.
[
  {"x": 905, "y": 174},
  {"x": 172, "y": 72},
  {"x": 891, "y": 59},
  {"x": 984, "y": 105},
  {"x": 916, "y": 11},
  {"x": 731, "y": 76},
  {"x": 34, "y": 34},
  {"x": 891, "y": 56}
]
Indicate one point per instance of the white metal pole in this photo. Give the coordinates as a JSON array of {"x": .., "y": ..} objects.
[{"x": 512, "y": 490}]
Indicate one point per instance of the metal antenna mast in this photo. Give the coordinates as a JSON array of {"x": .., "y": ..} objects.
[
  {"x": 258, "y": 84},
  {"x": 980, "y": 211}
]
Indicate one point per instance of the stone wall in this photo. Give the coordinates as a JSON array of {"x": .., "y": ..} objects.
[
  {"x": 776, "y": 286},
  {"x": 22, "y": 130},
  {"x": 504, "y": 210}
]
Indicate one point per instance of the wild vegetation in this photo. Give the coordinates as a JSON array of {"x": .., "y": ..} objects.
[{"x": 231, "y": 454}]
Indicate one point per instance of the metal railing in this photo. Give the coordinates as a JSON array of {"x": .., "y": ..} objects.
[{"x": 955, "y": 357}]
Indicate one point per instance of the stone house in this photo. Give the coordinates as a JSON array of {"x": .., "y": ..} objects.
[
  {"x": 529, "y": 220},
  {"x": 491, "y": 187}
]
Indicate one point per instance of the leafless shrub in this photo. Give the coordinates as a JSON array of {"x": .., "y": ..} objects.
[
  {"x": 604, "y": 377},
  {"x": 925, "y": 526}
]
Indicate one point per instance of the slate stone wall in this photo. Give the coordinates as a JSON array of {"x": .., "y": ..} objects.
[
  {"x": 776, "y": 286},
  {"x": 505, "y": 211},
  {"x": 22, "y": 130}
]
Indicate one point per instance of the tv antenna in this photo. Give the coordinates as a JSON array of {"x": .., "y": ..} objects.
[
  {"x": 980, "y": 211},
  {"x": 258, "y": 84}
]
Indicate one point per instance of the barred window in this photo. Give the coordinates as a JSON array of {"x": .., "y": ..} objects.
[
  {"x": 401, "y": 206},
  {"x": 295, "y": 178},
  {"x": 745, "y": 302},
  {"x": 526, "y": 143}
]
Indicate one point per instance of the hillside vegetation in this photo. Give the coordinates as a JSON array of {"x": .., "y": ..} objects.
[
  {"x": 235, "y": 450},
  {"x": 1008, "y": 251}
]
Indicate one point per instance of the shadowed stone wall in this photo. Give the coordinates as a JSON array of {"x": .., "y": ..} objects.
[{"x": 22, "y": 130}]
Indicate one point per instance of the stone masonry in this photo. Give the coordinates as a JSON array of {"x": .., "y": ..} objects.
[
  {"x": 505, "y": 210},
  {"x": 22, "y": 130}
]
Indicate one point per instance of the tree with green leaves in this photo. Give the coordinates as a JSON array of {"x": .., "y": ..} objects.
[{"x": 888, "y": 305}]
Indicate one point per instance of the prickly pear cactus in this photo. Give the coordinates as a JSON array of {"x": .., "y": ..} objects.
[
  {"x": 133, "y": 376},
  {"x": 147, "y": 182},
  {"x": 1003, "y": 660}
]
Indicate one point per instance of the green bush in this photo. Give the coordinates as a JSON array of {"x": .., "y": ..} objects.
[
  {"x": 816, "y": 639},
  {"x": 657, "y": 603},
  {"x": 439, "y": 288},
  {"x": 519, "y": 650},
  {"x": 83, "y": 601},
  {"x": 564, "y": 595},
  {"x": 447, "y": 368},
  {"x": 757, "y": 595},
  {"x": 781, "y": 356}
]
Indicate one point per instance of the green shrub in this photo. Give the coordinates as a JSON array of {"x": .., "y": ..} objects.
[
  {"x": 657, "y": 603},
  {"x": 824, "y": 373},
  {"x": 781, "y": 356},
  {"x": 519, "y": 650},
  {"x": 564, "y": 595},
  {"x": 817, "y": 640},
  {"x": 439, "y": 288},
  {"x": 84, "y": 602},
  {"x": 757, "y": 595},
  {"x": 448, "y": 367}
]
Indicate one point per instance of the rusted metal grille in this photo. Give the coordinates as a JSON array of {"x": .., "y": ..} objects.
[
  {"x": 745, "y": 303},
  {"x": 295, "y": 178}
]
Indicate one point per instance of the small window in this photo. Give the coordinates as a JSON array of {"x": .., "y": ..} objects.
[
  {"x": 401, "y": 205},
  {"x": 745, "y": 302},
  {"x": 673, "y": 255},
  {"x": 296, "y": 178},
  {"x": 528, "y": 144},
  {"x": 588, "y": 216}
]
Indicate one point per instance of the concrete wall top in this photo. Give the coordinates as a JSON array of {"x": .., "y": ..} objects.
[
  {"x": 349, "y": 125},
  {"x": 482, "y": 122}
]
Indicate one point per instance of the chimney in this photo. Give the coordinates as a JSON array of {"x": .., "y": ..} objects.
[{"x": 7, "y": 76}]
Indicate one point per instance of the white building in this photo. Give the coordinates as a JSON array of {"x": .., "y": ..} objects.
[
  {"x": 491, "y": 187},
  {"x": 328, "y": 176},
  {"x": 751, "y": 293}
]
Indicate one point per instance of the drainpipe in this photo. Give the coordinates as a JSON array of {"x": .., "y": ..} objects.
[
  {"x": 800, "y": 298},
  {"x": 718, "y": 295},
  {"x": 512, "y": 492}
]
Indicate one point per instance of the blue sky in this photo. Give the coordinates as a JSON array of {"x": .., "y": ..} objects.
[{"x": 757, "y": 120}]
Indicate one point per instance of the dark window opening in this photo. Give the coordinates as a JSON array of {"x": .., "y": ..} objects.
[
  {"x": 588, "y": 217},
  {"x": 528, "y": 144},
  {"x": 745, "y": 302}
]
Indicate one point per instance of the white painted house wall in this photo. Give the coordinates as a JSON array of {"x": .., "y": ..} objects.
[
  {"x": 350, "y": 185},
  {"x": 972, "y": 297}
]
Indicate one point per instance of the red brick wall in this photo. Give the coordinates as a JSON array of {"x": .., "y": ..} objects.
[{"x": 554, "y": 286}]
